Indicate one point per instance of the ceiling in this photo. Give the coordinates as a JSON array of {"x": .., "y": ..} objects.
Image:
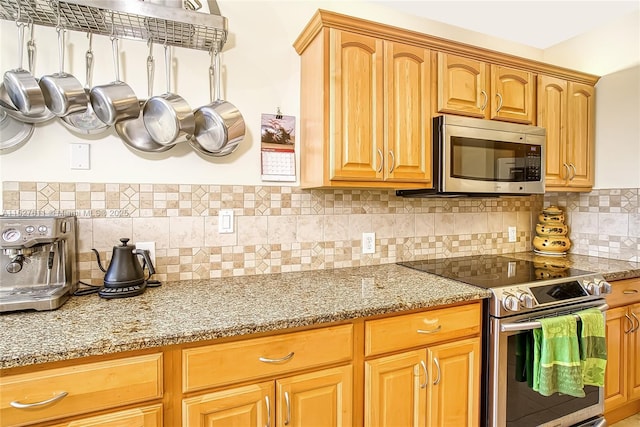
[{"x": 539, "y": 24}]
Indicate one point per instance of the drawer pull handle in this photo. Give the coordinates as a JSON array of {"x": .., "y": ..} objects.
[
  {"x": 630, "y": 291},
  {"x": 437, "y": 381},
  {"x": 430, "y": 331},
  {"x": 426, "y": 375},
  {"x": 19, "y": 405},
  {"x": 288, "y": 404},
  {"x": 280, "y": 360},
  {"x": 633, "y": 325},
  {"x": 486, "y": 100},
  {"x": 266, "y": 400},
  {"x": 635, "y": 328}
]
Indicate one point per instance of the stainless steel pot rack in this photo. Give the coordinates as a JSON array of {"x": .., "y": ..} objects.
[{"x": 132, "y": 19}]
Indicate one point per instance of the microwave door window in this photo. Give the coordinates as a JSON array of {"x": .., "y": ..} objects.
[{"x": 484, "y": 160}]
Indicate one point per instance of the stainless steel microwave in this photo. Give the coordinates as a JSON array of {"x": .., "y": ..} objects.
[{"x": 484, "y": 158}]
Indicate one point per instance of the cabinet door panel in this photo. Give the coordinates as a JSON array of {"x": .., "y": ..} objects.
[
  {"x": 148, "y": 416},
  {"x": 356, "y": 88},
  {"x": 552, "y": 115},
  {"x": 580, "y": 135},
  {"x": 615, "y": 376},
  {"x": 407, "y": 113},
  {"x": 462, "y": 86},
  {"x": 634, "y": 354},
  {"x": 249, "y": 406},
  {"x": 322, "y": 398},
  {"x": 454, "y": 383},
  {"x": 512, "y": 95},
  {"x": 395, "y": 390}
]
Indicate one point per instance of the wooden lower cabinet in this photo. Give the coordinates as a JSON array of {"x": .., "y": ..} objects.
[
  {"x": 622, "y": 380},
  {"x": 147, "y": 416},
  {"x": 320, "y": 398},
  {"x": 437, "y": 386},
  {"x": 76, "y": 390}
]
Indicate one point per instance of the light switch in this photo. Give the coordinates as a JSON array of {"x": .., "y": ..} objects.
[
  {"x": 225, "y": 221},
  {"x": 80, "y": 156}
]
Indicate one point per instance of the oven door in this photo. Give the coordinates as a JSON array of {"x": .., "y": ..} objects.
[{"x": 511, "y": 401}]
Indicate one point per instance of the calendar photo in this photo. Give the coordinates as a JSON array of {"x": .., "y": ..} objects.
[{"x": 277, "y": 141}]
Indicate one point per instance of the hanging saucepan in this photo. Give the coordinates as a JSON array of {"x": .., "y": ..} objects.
[
  {"x": 168, "y": 117},
  {"x": 86, "y": 122},
  {"x": 115, "y": 101},
  {"x": 63, "y": 93},
  {"x": 132, "y": 132},
  {"x": 21, "y": 86},
  {"x": 6, "y": 105},
  {"x": 220, "y": 126}
]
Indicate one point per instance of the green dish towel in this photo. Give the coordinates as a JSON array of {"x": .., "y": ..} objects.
[
  {"x": 593, "y": 347},
  {"x": 557, "y": 367}
]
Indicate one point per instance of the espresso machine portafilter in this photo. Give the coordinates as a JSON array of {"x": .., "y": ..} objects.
[{"x": 37, "y": 261}]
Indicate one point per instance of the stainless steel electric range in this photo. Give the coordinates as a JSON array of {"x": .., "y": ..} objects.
[{"x": 523, "y": 291}]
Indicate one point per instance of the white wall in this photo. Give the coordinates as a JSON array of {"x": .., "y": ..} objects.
[
  {"x": 618, "y": 129},
  {"x": 261, "y": 74}
]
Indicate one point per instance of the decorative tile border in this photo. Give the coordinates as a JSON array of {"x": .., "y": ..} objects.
[
  {"x": 280, "y": 229},
  {"x": 602, "y": 223}
]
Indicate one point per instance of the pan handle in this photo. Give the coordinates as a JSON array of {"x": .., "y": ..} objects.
[
  {"x": 212, "y": 74},
  {"x": 150, "y": 70}
]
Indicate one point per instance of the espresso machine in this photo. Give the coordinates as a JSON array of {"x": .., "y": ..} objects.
[{"x": 37, "y": 261}]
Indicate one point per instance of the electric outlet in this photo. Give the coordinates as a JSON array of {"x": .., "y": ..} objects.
[
  {"x": 512, "y": 234},
  {"x": 149, "y": 246},
  {"x": 368, "y": 243}
]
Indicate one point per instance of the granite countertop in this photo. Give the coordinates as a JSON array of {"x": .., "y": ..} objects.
[{"x": 196, "y": 310}]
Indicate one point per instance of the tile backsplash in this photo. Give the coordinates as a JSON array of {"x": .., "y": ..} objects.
[{"x": 280, "y": 229}]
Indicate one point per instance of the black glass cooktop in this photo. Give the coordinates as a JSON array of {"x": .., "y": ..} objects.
[{"x": 494, "y": 271}]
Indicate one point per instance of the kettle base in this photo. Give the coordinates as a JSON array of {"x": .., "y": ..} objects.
[{"x": 122, "y": 292}]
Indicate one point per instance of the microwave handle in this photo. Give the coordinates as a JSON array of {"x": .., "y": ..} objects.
[{"x": 527, "y": 326}]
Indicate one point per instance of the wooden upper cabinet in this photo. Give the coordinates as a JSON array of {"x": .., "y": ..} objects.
[
  {"x": 407, "y": 114},
  {"x": 369, "y": 92},
  {"x": 552, "y": 115},
  {"x": 474, "y": 88},
  {"x": 580, "y": 135},
  {"x": 365, "y": 112},
  {"x": 513, "y": 95},
  {"x": 355, "y": 94},
  {"x": 566, "y": 111},
  {"x": 462, "y": 86}
]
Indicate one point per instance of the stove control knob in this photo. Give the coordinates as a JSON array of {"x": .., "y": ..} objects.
[
  {"x": 605, "y": 287},
  {"x": 526, "y": 299},
  {"x": 510, "y": 302},
  {"x": 593, "y": 288}
]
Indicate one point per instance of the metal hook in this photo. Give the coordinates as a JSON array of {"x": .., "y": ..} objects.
[
  {"x": 278, "y": 114},
  {"x": 18, "y": 16}
]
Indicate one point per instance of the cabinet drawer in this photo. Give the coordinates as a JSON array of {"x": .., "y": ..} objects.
[
  {"x": 147, "y": 416},
  {"x": 219, "y": 364},
  {"x": 419, "y": 329},
  {"x": 624, "y": 292},
  {"x": 89, "y": 387}
]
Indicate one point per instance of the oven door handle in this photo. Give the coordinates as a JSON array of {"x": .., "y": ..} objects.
[{"x": 527, "y": 326}]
